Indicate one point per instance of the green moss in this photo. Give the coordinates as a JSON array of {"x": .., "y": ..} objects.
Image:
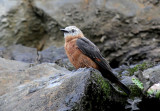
[
  {"x": 155, "y": 93},
  {"x": 138, "y": 83},
  {"x": 132, "y": 70},
  {"x": 97, "y": 93},
  {"x": 142, "y": 67},
  {"x": 158, "y": 94},
  {"x": 104, "y": 86},
  {"x": 135, "y": 91},
  {"x": 150, "y": 92}
]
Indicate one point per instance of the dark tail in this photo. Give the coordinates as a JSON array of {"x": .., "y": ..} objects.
[
  {"x": 123, "y": 87},
  {"x": 110, "y": 76}
]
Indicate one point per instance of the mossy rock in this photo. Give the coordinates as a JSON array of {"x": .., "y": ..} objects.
[
  {"x": 135, "y": 91},
  {"x": 101, "y": 95},
  {"x": 141, "y": 67}
]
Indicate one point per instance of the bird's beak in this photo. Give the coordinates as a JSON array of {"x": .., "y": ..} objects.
[{"x": 64, "y": 30}]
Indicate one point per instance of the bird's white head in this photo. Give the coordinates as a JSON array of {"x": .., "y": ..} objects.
[{"x": 72, "y": 31}]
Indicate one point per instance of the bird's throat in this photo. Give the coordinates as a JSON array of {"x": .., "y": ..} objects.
[{"x": 69, "y": 38}]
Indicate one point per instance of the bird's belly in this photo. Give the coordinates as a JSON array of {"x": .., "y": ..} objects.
[{"x": 78, "y": 59}]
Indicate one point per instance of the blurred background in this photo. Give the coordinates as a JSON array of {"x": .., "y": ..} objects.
[{"x": 124, "y": 30}]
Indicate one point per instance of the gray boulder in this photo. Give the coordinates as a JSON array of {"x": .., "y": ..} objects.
[
  {"x": 20, "y": 53},
  {"x": 49, "y": 87},
  {"x": 151, "y": 78},
  {"x": 31, "y": 55}
]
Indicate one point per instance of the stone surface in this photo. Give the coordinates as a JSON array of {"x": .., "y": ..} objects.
[
  {"x": 19, "y": 25},
  {"x": 10, "y": 74},
  {"x": 46, "y": 86},
  {"x": 55, "y": 55},
  {"x": 52, "y": 54},
  {"x": 31, "y": 55},
  {"x": 2, "y": 49},
  {"x": 21, "y": 53},
  {"x": 152, "y": 74}
]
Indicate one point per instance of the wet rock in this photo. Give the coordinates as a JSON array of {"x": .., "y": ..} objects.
[
  {"x": 50, "y": 87},
  {"x": 47, "y": 86}
]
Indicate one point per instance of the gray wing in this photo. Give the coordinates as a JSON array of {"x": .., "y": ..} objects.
[{"x": 91, "y": 50}]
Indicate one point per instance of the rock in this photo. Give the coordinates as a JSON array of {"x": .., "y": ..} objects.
[
  {"x": 144, "y": 75},
  {"x": 152, "y": 75},
  {"x": 126, "y": 25},
  {"x": 31, "y": 55},
  {"x": 50, "y": 87},
  {"x": 19, "y": 53},
  {"x": 122, "y": 29},
  {"x": 10, "y": 74},
  {"x": 47, "y": 86},
  {"x": 52, "y": 54},
  {"x": 19, "y": 25},
  {"x": 133, "y": 104},
  {"x": 2, "y": 49},
  {"x": 55, "y": 55}
]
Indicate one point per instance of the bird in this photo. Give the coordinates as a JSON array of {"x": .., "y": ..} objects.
[{"x": 82, "y": 53}]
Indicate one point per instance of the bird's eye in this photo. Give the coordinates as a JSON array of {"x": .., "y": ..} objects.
[{"x": 73, "y": 30}]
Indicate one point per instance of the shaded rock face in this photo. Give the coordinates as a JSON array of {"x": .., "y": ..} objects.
[
  {"x": 20, "y": 53},
  {"x": 51, "y": 87},
  {"x": 55, "y": 55},
  {"x": 52, "y": 54},
  {"x": 31, "y": 55},
  {"x": 47, "y": 86}
]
